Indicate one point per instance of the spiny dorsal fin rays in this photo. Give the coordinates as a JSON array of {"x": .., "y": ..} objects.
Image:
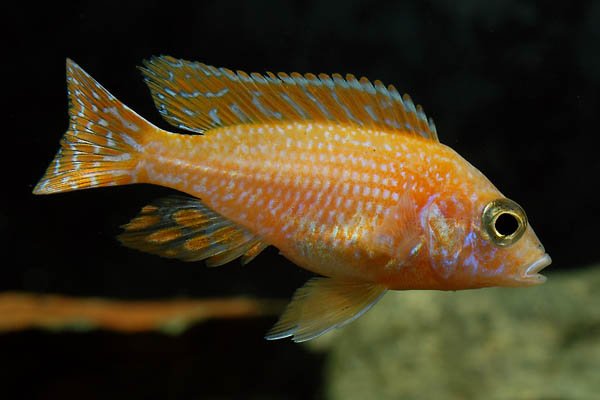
[
  {"x": 184, "y": 228},
  {"x": 198, "y": 97}
]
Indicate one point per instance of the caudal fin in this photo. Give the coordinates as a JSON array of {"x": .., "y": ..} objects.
[{"x": 103, "y": 144}]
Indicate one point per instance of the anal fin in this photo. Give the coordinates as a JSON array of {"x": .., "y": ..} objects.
[
  {"x": 184, "y": 228},
  {"x": 323, "y": 304}
]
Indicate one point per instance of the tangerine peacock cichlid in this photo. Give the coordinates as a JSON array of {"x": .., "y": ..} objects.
[{"x": 345, "y": 177}]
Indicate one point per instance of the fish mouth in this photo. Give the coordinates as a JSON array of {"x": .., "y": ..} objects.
[{"x": 529, "y": 273}]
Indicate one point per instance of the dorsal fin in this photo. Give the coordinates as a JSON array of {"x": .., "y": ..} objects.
[
  {"x": 184, "y": 228},
  {"x": 199, "y": 97}
]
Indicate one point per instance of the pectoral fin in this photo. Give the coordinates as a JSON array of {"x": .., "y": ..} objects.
[
  {"x": 400, "y": 235},
  {"x": 323, "y": 304}
]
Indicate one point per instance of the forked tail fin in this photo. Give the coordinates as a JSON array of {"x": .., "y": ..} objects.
[{"x": 103, "y": 144}]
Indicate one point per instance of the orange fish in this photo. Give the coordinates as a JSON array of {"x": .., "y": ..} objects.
[{"x": 345, "y": 177}]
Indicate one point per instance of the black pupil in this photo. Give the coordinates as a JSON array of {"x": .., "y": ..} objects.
[{"x": 506, "y": 224}]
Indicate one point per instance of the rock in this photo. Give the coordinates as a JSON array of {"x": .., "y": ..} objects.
[{"x": 529, "y": 343}]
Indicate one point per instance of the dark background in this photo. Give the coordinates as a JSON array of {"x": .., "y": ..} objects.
[{"x": 514, "y": 87}]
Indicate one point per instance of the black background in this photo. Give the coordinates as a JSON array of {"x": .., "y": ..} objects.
[{"x": 513, "y": 86}]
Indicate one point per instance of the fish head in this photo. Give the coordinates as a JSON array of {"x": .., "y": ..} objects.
[{"x": 479, "y": 240}]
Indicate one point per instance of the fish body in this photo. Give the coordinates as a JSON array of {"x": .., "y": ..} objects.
[
  {"x": 346, "y": 178},
  {"x": 323, "y": 194}
]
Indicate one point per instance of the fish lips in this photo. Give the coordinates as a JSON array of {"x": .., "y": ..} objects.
[{"x": 529, "y": 273}]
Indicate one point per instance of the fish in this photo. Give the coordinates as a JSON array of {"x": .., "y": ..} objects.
[{"x": 345, "y": 177}]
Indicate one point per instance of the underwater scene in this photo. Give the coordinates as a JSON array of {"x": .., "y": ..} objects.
[{"x": 301, "y": 200}]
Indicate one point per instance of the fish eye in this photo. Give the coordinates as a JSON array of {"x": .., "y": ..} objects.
[{"x": 504, "y": 221}]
